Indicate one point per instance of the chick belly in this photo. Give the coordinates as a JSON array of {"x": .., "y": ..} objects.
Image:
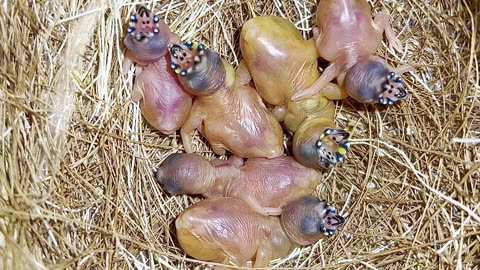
[
  {"x": 164, "y": 105},
  {"x": 245, "y": 132},
  {"x": 220, "y": 230},
  {"x": 167, "y": 119},
  {"x": 236, "y": 251},
  {"x": 279, "y": 59},
  {"x": 274, "y": 86},
  {"x": 198, "y": 248},
  {"x": 277, "y": 83},
  {"x": 273, "y": 188},
  {"x": 354, "y": 44},
  {"x": 243, "y": 143}
]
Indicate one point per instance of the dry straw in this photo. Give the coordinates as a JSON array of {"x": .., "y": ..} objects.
[{"x": 76, "y": 182}]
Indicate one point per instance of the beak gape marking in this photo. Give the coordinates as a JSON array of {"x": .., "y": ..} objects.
[
  {"x": 393, "y": 90},
  {"x": 143, "y": 24},
  {"x": 183, "y": 54},
  {"x": 326, "y": 152}
]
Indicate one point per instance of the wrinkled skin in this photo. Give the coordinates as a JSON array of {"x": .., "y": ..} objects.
[
  {"x": 282, "y": 63},
  {"x": 346, "y": 36},
  {"x": 266, "y": 185},
  {"x": 227, "y": 111},
  {"x": 226, "y": 230},
  {"x": 163, "y": 102}
]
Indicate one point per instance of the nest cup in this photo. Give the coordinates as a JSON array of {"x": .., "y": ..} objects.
[{"x": 76, "y": 182}]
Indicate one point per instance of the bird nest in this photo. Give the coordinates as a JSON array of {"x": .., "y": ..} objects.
[{"x": 76, "y": 182}]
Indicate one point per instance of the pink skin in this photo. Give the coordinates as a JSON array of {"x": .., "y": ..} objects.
[
  {"x": 226, "y": 230},
  {"x": 282, "y": 63},
  {"x": 227, "y": 111},
  {"x": 346, "y": 35},
  {"x": 266, "y": 185},
  {"x": 164, "y": 103}
]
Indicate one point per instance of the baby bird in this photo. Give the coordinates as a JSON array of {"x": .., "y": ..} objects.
[
  {"x": 347, "y": 37},
  {"x": 282, "y": 63},
  {"x": 226, "y": 230},
  {"x": 228, "y": 112},
  {"x": 266, "y": 185},
  {"x": 163, "y": 102}
]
